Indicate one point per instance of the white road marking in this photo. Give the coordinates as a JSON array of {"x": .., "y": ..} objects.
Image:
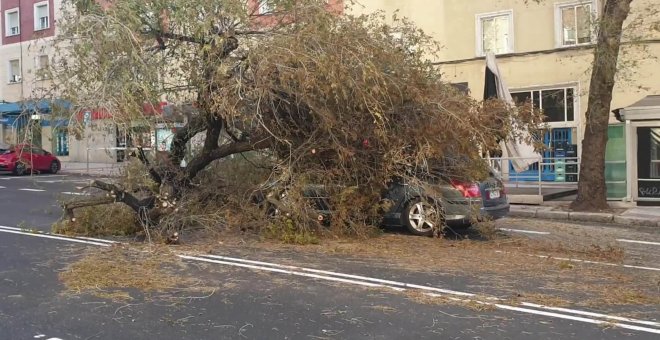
[
  {"x": 272, "y": 267},
  {"x": 640, "y": 242},
  {"x": 1, "y": 187},
  {"x": 349, "y": 276},
  {"x": 77, "y": 237},
  {"x": 50, "y": 236},
  {"x": 31, "y": 177},
  {"x": 594, "y": 318},
  {"x": 587, "y": 261},
  {"x": 33, "y": 190},
  {"x": 76, "y": 193},
  {"x": 526, "y": 231},
  {"x": 38, "y": 336}
]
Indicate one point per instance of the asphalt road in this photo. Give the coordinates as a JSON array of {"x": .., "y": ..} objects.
[{"x": 255, "y": 300}]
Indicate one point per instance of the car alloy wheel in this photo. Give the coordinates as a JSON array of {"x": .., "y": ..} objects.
[{"x": 421, "y": 217}]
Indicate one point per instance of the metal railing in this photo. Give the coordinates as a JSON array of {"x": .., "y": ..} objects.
[
  {"x": 551, "y": 172},
  {"x": 548, "y": 172}
]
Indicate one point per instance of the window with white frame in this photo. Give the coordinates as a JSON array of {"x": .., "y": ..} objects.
[
  {"x": 12, "y": 22},
  {"x": 557, "y": 104},
  {"x": 42, "y": 65},
  {"x": 264, "y": 6},
  {"x": 41, "y": 16},
  {"x": 574, "y": 23},
  {"x": 495, "y": 33},
  {"x": 14, "y": 71}
]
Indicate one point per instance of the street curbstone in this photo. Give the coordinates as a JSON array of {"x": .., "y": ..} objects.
[
  {"x": 637, "y": 221},
  {"x": 590, "y": 217},
  {"x": 552, "y": 214},
  {"x": 524, "y": 213}
]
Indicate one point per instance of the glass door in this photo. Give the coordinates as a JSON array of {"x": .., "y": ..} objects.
[{"x": 648, "y": 163}]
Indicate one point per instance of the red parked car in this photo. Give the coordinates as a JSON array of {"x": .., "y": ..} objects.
[{"x": 24, "y": 158}]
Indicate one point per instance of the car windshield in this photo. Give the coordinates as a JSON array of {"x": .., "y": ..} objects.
[{"x": 5, "y": 149}]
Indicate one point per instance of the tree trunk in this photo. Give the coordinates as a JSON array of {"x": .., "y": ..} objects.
[{"x": 592, "y": 192}]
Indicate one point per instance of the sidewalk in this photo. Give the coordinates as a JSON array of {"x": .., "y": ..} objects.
[
  {"x": 634, "y": 216},
  {"x": 92, "y": 169}
]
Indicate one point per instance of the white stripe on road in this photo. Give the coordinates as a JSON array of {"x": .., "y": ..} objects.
[
  {"x": 1, "y": 187},
  {"x": 77, "y": 237},
  {"x": 639, "y": 242},
  {"x": 31, "y": 177},
  {"x": 274, "y": 268},
  {"x": 349, "y": 276},
  {"x": 33, "y": 190},
  {"x": 18, "y": 231},
  {"x": 431, "y": 289},
  {"x": 598, "y": 319},
  {"x": 526, "y": 231},
  {"x": 76, "y": 193},
  {"x": 586, "y": 261}
]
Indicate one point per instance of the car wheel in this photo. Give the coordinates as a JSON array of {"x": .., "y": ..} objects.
[
  {"x": 20, "y": 169},
  {"x": 421, "y": 217},
  {"x": 54, "y": 167}
]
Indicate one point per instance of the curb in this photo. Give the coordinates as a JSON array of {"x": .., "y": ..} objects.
[{"x": 535, "y": 212}]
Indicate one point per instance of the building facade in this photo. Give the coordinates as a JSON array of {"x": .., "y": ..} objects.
[{"x": 545, "y": 52}]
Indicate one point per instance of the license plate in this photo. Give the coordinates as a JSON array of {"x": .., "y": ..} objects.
[{"x": 495, "y": 194}]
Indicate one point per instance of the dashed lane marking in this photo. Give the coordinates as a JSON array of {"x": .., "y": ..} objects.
[
  {"x": 638, "y": 242},
  {"x": 32, "y": 190},
  {"x": 526, "y": 231},
  {"x": 588, "y": 262}
]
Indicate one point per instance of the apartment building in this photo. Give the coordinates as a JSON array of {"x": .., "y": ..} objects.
[
  {"x": 545, "y": 51},
  {"x": 28, "y": 29}
]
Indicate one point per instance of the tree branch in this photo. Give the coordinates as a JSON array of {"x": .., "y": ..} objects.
[{"x": 223, "y": 151}]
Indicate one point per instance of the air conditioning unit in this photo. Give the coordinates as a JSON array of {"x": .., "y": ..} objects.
[{"x": 14, "y": 30}]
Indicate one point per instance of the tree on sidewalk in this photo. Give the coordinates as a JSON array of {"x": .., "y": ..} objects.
[{"x": 592, "y": 191}]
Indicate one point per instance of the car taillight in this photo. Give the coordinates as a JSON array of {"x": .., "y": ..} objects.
[{"x": 468, "y": 190}]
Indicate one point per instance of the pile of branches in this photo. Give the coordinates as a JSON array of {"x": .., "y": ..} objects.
[{"x": 341, "y": 101}]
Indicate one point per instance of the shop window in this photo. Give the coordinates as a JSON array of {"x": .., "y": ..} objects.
[
  {"x": 61, "y": 142},
  {"x": 558, "y": 105}
]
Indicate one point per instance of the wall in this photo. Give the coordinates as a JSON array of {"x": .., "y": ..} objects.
[{"x": 26, "y": 9}]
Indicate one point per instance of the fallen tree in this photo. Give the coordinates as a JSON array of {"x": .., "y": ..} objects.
[{"x": 339, "y": 100}]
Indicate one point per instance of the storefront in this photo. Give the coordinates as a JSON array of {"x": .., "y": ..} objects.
[{"x": 642, "y": 121}]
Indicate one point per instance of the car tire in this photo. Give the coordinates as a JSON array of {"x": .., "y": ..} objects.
[
  {"x": 20, "y": 169},
  {"x": 54, "y": 167},
  {"x": 421, "y": 217}
]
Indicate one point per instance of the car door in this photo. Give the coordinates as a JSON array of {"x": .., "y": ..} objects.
[
  {"x": 39, "y": 159},
  {"x": 24, "y": 155}
]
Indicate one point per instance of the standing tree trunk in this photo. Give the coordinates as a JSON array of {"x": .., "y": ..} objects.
[{"x": 592, "y": 192}]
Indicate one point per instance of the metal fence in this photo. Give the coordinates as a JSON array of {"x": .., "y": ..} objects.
[{"x": 543, "y": 171}]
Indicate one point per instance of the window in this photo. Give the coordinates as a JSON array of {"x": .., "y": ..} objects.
[
  {"x": 574, "y": 23},
  {"x": 558, "y": 105},
  {"x": 61, "y": 141},
  {"x": 43, "y": 63},
  {"x": 14, "y": 71},
  {"x": 41, "y": 16},
  {"x": 495, "y": 33},
  {"x": 12, "y": 22},
  {"x": 654, "y": 134},
  {"x": 264, "y": 7}
]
